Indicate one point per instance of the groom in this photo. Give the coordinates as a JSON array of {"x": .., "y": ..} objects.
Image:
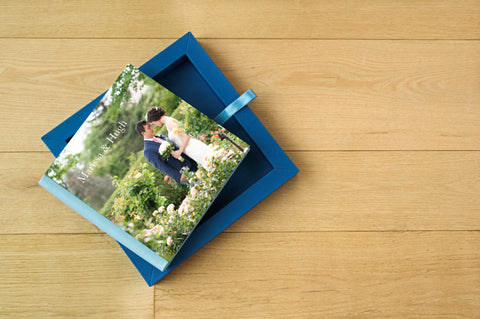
[{"x": 171, "y": 166}]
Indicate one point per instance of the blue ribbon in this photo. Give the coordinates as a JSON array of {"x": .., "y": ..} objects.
[{"x": 235, "y": 106}]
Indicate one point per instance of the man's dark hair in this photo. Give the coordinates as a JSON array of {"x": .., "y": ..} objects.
[{"x": 139, "y": 127}]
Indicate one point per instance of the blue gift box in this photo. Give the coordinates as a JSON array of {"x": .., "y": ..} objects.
[{"x": 185, "y": 69}]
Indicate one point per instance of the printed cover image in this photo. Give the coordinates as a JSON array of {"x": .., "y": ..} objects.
[{"x": 148, "y": 161}]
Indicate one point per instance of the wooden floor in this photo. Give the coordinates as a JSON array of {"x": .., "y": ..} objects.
[{"x": 377, "y": 102}]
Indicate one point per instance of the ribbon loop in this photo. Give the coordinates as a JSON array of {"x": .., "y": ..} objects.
[{"x": 235, "y": 106}]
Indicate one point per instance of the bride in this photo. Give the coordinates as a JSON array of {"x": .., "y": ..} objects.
[{"x": 193, "y": 148}]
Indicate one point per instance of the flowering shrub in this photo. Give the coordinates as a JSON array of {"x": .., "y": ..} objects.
[
  {"x": 162, "y": 217},
  {"x": 205, "y": 129},
  {"x": 137, "y": 196},
  {"x": 171, "y": 226},
  {"x": 194, "y": 122}
]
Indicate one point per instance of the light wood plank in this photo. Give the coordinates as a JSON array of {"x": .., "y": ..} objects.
[
  {"x": 386, "y": 191},
  {"x": 350, "y": 19},
  {"x": 308, "y": 250},
  {"x": 69, "y": 276},
  {"x": 335, "y": 95},
  {"x": 27, "y": 207},
  {"x": 327, "y": 275},
  {"x": 361, "y": 95},
  {"x": 334, "y": 191}
]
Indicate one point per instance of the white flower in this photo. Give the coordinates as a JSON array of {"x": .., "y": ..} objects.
[
  {"x": 155, "y": 212},
  {"x": 138, "y": 175},
  {"x": 170, "y": 208},
  {"x": 169, "y": 240},
  {"x": 163, "y": 147},
  {"x": 161, "y": 209},
  {"x": 194, "y": 192},
  {"x": 181, "y": 210},
  {"x": 158, "y": 229}
]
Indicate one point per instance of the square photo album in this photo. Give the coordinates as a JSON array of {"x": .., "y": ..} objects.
[{"x": 145, "y": 167}]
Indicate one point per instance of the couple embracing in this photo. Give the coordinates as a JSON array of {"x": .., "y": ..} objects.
[{"x": 188, "y": 151}]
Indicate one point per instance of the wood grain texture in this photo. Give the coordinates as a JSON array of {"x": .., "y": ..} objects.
[
  {"x": 69, "y": 276},
  {"x": 384, "y": 191},
  {"x": 347, "y": 19},
  {"x": 327, "y": 275},
  {"x": 334, "y": 191},
  {"x": 377, "y": 103},
  {"x": 335, "y": 95},
  {"x": 26, "y": 207}
]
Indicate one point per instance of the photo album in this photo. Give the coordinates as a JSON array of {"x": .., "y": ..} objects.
[{"x": 145, "y": 166}]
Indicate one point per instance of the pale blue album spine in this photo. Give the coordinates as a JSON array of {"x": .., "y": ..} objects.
[{"x": 102, "y": 222}]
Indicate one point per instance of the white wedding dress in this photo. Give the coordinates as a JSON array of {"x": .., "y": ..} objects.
[{"x": 196, "y": 150}]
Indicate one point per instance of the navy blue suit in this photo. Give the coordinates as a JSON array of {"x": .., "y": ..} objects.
[{"x": 171, "y": 166}]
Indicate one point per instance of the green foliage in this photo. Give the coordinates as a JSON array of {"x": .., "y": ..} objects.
[
  {"x": 171, "y": 226},
  {"x": 59, "y": 168},
  {"x": 162, "y": 213},
  {"x": 196, "y": 123},
  {"x": 174, "y": 192},
  {"x": 115, "y": 107},
  {"x": 138, "y": 197},
  {"x": 106, "y": 118},
  {"x": 130, "y": 79},
  {"x": 169, "y": 102},
  {"x": 203, "y": 128},
  {"x": 159, "y": 96}
]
